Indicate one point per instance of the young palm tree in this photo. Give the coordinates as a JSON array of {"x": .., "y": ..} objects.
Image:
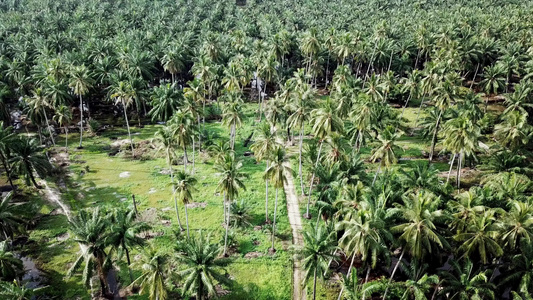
[
  {"x": 16, "y": 291},
  {"x": 276, "y": 173},
  {"x": 516, "y": 226},
  {"x": 27, "y": 157},
  {"x": 155, "y": 267},
  {"x": 265, "y": 142},
  {"x": 514, "y": 131},
  {"x": 230, "y": 182},
  {"x": 464, "y": 282},
  {"x": 11, "y": 267},
  {"x": 325, "y": 121},
  {"x": 319, "y": 245},
  {"x": 10, "y": 221},
  {"x": 7, "y": 139},
  {"x": 166, "y": 100},
  {"x": 122, "y": 94},
  {"x": 185, "y": 187},
  {"x": 80, "y": 82},
  {"x": 123, "y": 233},
  {"x": 63, "y": 116},
  {"x": 202, "y": 266},
  {"x": 89, "y": 230}
]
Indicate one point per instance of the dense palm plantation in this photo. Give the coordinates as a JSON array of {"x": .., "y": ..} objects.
[{"x": 406, "y": 125}]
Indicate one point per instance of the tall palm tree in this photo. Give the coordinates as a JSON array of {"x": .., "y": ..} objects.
[
  {"x": 276, "y": 173},
  {"x": 28, "y": 158},
  {"x": 11, "y": 267},
  {"x": 419, "y": 235},
  {"x": 173, "y": 61},
  {"x": 325, "y": 121},
  {"x": 182, "y": 124},
  {"x": 386, "y": 153},
  {"x": 80, "y": 82},
  {"x": 39, "y": 102},
  {"x": 231, "y": 180},
  {"x": 155, "y": 267},
  {"x": 232, "y": 114},
  {"x": 185, "y": 187},
  {"x": 165, "y": 135},
  {"x": 203, "y": 266},
  {"x": 461, "y": 138},
  {"x": 122, "y": 94},
  {"x": 319, "y": 245},
  {"x": 123, "y": 233},
  {"x": 265, "y": 142},
  {"x": 89, "y": 230},
  {"x": 63, "y": 116}
]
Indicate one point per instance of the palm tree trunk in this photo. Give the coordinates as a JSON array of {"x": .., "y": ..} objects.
[
  {"x": 307, "y": 215},
  {"x": 393, "y": 272},
  {"x": 366, "y": 280},
  {"x": 390, "y": 61},
  {"x": 376, "y": 176},
  {"x": 81, "y": 121},
  {"x": 32, "y": 178},
  {"x": 134, "y": 205},
  {"x": 8, "y": 170},
  {"x": 274, "y": 223},
  {"x": 193, "y": 155},
  {"x": 128, "y": 126},
  {"x": 48, "y": 127},
  {"x": 232, "y": 135},
  {"x": 314, "y": 286},
  {"x": 224, "y": 205},
  {"x": 347, "y": 275},
  {"x": 327, "y": 70},
  {"x": 404, "y": 106},
  {"x": 451, "y": 167},
  {"x": 460, "y": 164},
  {"x": 300, "y": 169},
  {"x": 66, "y": 138},
  {"x": 418, "y": 113},
  {"x": 434, "y": 139},
  {"x": 186, "y": 219},
  {"x": 174, "y": 190},
  {"x": 475, "y": 75},
  {"x": 266, "y": 194},
  {"x": 128, "y": 259},
  {"x": 199, "y": 138},
  {"x": 185, "y": 158},
  {"x": 227, "y": 229}
]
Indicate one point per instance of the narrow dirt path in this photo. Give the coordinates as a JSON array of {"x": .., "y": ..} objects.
[{"x": 295, "y": 220}]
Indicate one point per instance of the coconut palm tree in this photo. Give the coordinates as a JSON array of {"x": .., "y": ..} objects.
[
  {"x": 465, "y": 282},
  {"x": 89, "y": 230},
  {"x": 419, "y": 235},
  {"x": 276, "y": 173},
  {"x": 80, "y": 82},
  {"x": 11, "y": 267},
  {"x": 325, "y": 121},
  {"x": 521, "y": 272},
  {"x": 16, "y": 291},
  {"x": 27, "y": 157},
  {"x": 319, "y": 245},
  {"x": 165, "y": 135},
  {"x": 265, "y": 142},
  {"x": 166, "y": 100},
  {"x": 123, "y": 234},
  {"x": 231, "y": 181},
  {"x": 480, "y": 237},
  {"x": 173, "y": 60},
  {"x": 63, "y": 116},
  {"x": 122, "y": 93},
  {"x": 182, "y": 126},
  {"x": 386, "y": 153},
  {"x": 155, "y": 267},
  {"x": 514, "y": 131},
  {"x": 10, "y": 220},
  {"x": 203, "y": 266},
  {"x": 7, "y": 139},
  {"x": 461, "y": 138},
  {"x": 516, "y": 225},
  {"x": 232, "y": 114},
  {"x": 39, "y": 102},
  {"x": 185, "y": 187},
  {"x": 420, "y": 283}
]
